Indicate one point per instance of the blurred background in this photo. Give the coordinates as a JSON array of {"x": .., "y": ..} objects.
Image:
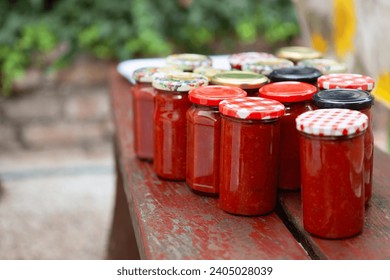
[{"x": 56, "y": 166}]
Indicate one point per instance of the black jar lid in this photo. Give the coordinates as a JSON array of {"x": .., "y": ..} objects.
[
  {"x": 354, "y": 99},
  {"x": 295, "y": 73}
]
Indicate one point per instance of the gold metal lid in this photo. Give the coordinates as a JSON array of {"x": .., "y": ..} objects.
[
  {"x": 297, "y": 53},
  {"x": 241, "y": 79}
]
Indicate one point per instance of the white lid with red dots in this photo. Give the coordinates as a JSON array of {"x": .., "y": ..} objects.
[
  {"x": 251, "y": 108},
  {"x": 332, "y": 122},
  {"x": 354, "y": 81}
]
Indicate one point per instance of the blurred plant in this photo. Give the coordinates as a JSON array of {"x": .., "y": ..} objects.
[{"x": 134, "y": 28}]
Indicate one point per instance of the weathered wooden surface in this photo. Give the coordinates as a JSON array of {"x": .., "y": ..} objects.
[
  {"x": 373, "y": 243},
  {"x": 171, "y": 222}
]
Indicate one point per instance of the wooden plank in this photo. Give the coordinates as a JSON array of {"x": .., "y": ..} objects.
[
  {"x": 171, "y": 222},
  {"x": 373, "y": 243}
]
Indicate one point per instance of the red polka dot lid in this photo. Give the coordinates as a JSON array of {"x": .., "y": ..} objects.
[
  {"x": 252, "y": 108},
  {"x": 332, "y": 122},
  {"x": 238, "y": 59},
  {"x": 353, "y": 81}
]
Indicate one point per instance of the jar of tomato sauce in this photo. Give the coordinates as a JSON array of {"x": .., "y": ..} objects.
[
  {"x": 298, "y": 53},
  {"x": 171, "y": 105},
  {"x": 296, "y": 73},
  {"x": 204, "y": 136},
  {"x": 143, "y": 107},
  {"x": 237, "y": 60},
  {"x": 325, "y": 65},
  {"x": 332, "y": 155},
  {"x": 250, "y": 133},
  {"x": 356, "y": 100},
  {"x": 248, "y": 81},
  {"x": 297, "y": 99},
  {"x": 188, "y": 61},
  {"x": 266, "y": 65}
]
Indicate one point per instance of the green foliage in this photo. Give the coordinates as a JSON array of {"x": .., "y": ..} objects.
[{"x": 121, "y": 29}]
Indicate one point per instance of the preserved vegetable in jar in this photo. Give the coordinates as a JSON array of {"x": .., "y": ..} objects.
[
  {"x": 332, "y": 157},
  {"x": 250, "y": 133},
  {"x": 171, "y": 105},
  {"x": 297, "y": 99},
  {"x": 203, "y": 136}
]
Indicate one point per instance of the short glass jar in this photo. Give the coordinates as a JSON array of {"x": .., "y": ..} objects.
[
  {"x": 187, "y": 62},
  {"x": 355, "y": 100},
  {"x": 248, "y": 81},
  {"x": 143, "y": 108},
  {"x": 171, "y": 105},
  {"x": 332, "y": 165},
  {"x": 204, "y": 137},
  {"x": 297, "y": 74},
  {"x": 266, "y": 65},
  {"x": 237, "y": 60},
  {"x": 250, "y": 133},
  {"x": 297, "y": 99},
  {"x": 298, "y": 53}
]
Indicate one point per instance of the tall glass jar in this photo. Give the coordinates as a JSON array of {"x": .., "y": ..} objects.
[
  {"x": 248, "y": 81},
  {"x": 297, "y": 74},
  {"x": 356, "y": 100},
  {"x": 204, "y": 135},
  {"x": 237, "y": 60},
  {"x": 171, "y": 105},
  {"x": 143, "y": 108},
  {"x": 250, "y": 133},
  {"x": 298, "y": 53},
  {"x": 332, "y": 165},
  {"x": 187, "y": 62},
  {"x": 297, "y": 99}
]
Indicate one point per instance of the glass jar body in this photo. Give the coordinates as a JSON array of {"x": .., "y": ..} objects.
[
  {"x": 332, "y": 185},
  {"x": 249, "y": 164},
  {"x": 170, "y": 134},
  {"x": 143, "y": 108},
  {"x": 203, "y": 149}
]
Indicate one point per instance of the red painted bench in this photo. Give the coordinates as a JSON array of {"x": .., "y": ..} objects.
[{"x": 156, "y": 219}]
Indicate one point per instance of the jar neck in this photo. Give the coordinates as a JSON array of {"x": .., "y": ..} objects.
[
  {"x": 251, "y": 121},
  {"x": 333, "y": 138}
]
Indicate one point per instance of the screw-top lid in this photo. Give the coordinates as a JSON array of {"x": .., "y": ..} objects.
[
  {"x": 288, "y": 91},
  {"x": 213, "y": 95},
  {"x": 295, "y": 73},
  {"x": 332, "y": 122},
  {"x": 145, "y": 74},
  {"x": 266, "y": 65},
  {"x": 182, "y": 82},
  {"x": 297, "y": 53},
  {"x": 343, "y": 98},
  {"x": 188, "y": 61},
  {"x": 209, "y": 72},
  {"x": 354, "y": 81},
  {"x": 237, "y": 60},
  {"x": 325, "y": 65},
  {"x": 251, "y": 108},
  {"x": 242, "y": 79}
]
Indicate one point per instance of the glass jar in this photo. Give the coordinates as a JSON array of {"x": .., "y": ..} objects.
[
  {"x": 325, "y": 65},
  {"x": 171, "y": 105},
  {"x": 266, "y": 65},
  {"x": 248, "y": 81},
  {"x": 187, "y": 62},
  {"x": 297, "y": 74},
  {"x": 356, "y": 100},
  {"x": 203, "y": 137},
  {"x": 237, "y": 60},
  {"x": 297, "y": 53},
  {"x": 297, "y": 99},
  {"x": 250, "y": 133},
  {"x": 332, "y": 155},
  {"x": 143, "y": 108}
]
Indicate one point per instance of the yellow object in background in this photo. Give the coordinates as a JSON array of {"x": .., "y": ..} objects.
[
  {"x": 382, "y": 89},
  {"x": 344, "y": 27},
  {"x": 318, "y": 42}
]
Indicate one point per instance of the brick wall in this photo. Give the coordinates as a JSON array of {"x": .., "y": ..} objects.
[{"x": 67, "y": 109}]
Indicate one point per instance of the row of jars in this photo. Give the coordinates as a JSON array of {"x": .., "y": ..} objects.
[{"x": 239, "y": 138}]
